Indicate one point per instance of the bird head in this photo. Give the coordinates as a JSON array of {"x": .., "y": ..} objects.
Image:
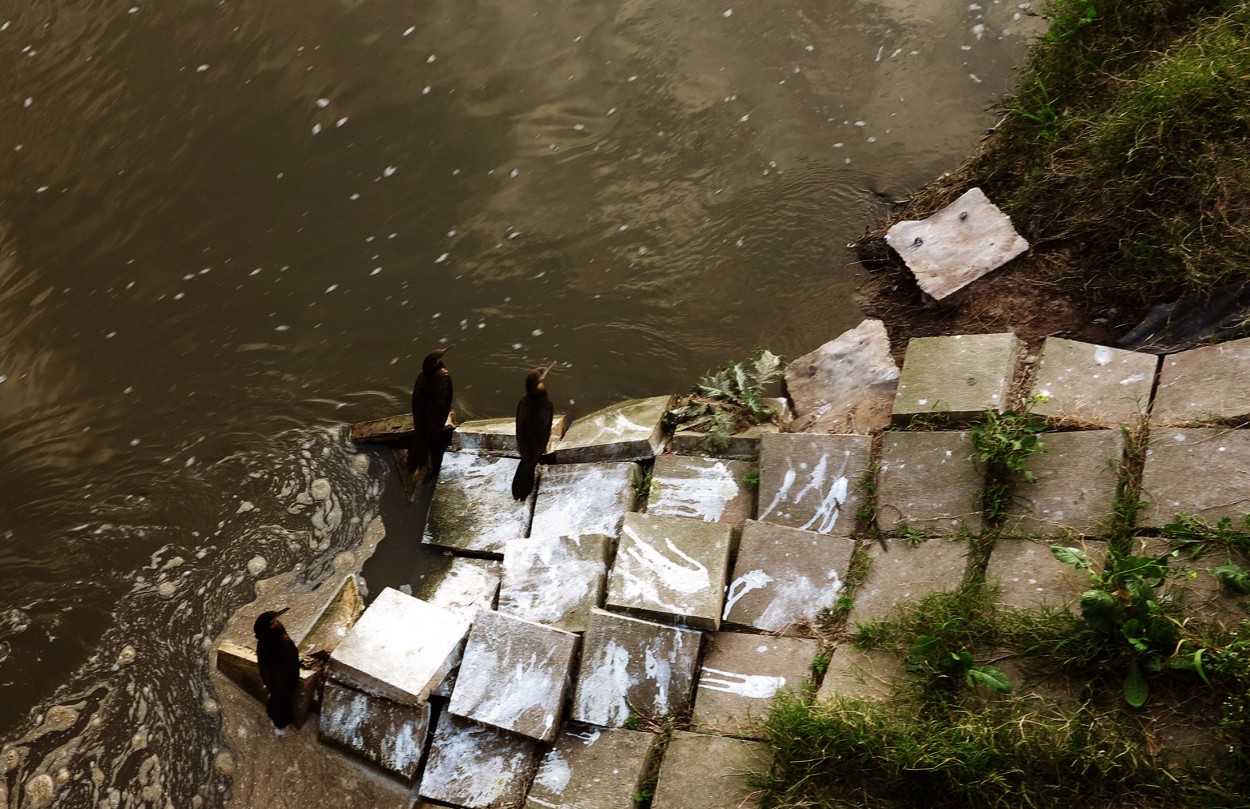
[
  {"x": 434, "y": 360},
  {"x": 534, "y": 381},
  {"x": 266, "y": 620}
]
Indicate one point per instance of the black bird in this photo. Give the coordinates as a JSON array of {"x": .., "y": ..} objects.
[
  {"x": 278, "y": 661},
  {"x": 431, "y": 404},
  {"x": 533, "y": 430}
]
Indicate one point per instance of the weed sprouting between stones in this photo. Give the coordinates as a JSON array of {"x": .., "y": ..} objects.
[
  {"x": 727, "y": 400},
  {"x": 1192, "y": 535},
  {"x": 1003, "y": 444}
]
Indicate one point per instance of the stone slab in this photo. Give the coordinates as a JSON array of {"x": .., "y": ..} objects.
[
  {"x": 498, "y": 436},
  {"x": 1200, "y": 471},
  {"x": 477, "y": 767},
  {"x": 589, "y": 768},
  {"x": 579, "y": 499},
  {"x": 1193, "y": 584},
  {"x": 1076, "y": 484},
  {"x": 1030, "y": 577},
  {"x": 866, "y": 675},
  {"x": 473, "y": 510},
  {"x": 961, "y": 376},
  {"x": 239, "y": 664},
  {"x": 514, "y": 675},
  {"x": 628, "y": 431},
  {"x": 1093, "y": 385},
  {"x": 739, "y": 677},
  {"x": 630, "y": 666},
  {"x": 812, "y": 481},
  {"x": 555, "y": 581},
  {"x": 906, "y": 574},
  {"x": 401, "y": 648},
  {"x": 718, "y": 766},
  {"x": 389, "y": 430},
  {"x": 671, "y": 569},
  {"x": 390, "y": 735},
  {"x": 845, "y": 386},
  {"x": 928, "y": 483},
  {"x": 708, "y": 489},
  {"x": 743, "y": 445},
  {"x": 956, "y": 245},
  {"x": 464, "y": 584},
  {"x": 1211, "y": 383},
  {"x": 784, "y": 577}
]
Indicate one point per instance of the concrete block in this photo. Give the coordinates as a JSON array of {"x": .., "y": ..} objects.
[
  {"x": 629, "y": 431},
  {"x": 239, "y": 664},
  {"x": 333, "y": 623},
  {"x": 812, "y": 481},
  {"x": 589, "y": 768},
  {"x": 961, "y": 376},
  {"x": 870, "y": 675},
  {"x": 741, "y": 674},
  {"x": 389, "y": 430},
  {"x": 907, "y": 574},
  {"x": 1211, "y": 383},
  {"x": 633, "y": 666},
  {"x": 401, "y": 648},
  {"x": 957, "y": 245},
  {"x": 464, "y": 584},
  {"x": 928, "y": 483},
  {"x": 710, "y": 772},
  {"x": 473, "y": 510},
  {"x": 1029, "y": 576},
  {"x": 845, "y": 386},
  {"x": 514, "y": 675},
  {"x": 498, "y": 436},
  {"x": 708, "y": 489},
  {"x": 581, "y": 499},
  {"x": 1076, "y": 484},
  {"x": 672, "y": 569},
  {"x": 477, "y": 767},
  {"x": 743, "y": 445},
  {"x": 390, "y": 735},
  {"x": 784, "y": 577},
  {"x": 1200, "y": 471},
  {"x": 555, "y": 581},
  {"x": 1093, "y": 385}
]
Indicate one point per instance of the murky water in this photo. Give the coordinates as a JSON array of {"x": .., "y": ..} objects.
[{"x": 226, "y": 226}]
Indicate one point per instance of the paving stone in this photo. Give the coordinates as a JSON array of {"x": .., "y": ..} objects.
[
  {"x": 956, "y": 245},
  {"x": 514, "y": 675},
  {"x": 555, "y": 581},
  {"x": 477, "y": 767},
  {"x": 744, "y": 445},
  {"x": 906, "y": 574},
  {"x": 498, "y": 436},
  {"x": 579, "y": 499},
  {"x": 401, "y": 648},
  {"x": 928, "y": 483},
  {"x": 464, "y": 584},
  {"x": 855, "y": 674},
  {"x": 389, "y": 430},
  {"x": 1093, "y": 385},
  {"x": 629, "y": 431},
  {"x": 633, "y": 666},
  {"x": 1204, "y": 384},
  {"x": 961, "y": 376},
  {"x": 812, "y": 481},
  {"x": 1204, "y": 472},
  {"x": 239, "y": 664},
  {"x": 1076, "y": 484},
  {"x": 589, "y": 768},
  {"x": 671, "y": 568},
  {"x": 333, "y": 623},
  {"x": 784, "y": 577},
  {"x": 845, "y": 386},
  {"x": 708, "y": 489},
  {"x": 1031, "y": 577},
  {"x": 473, "y": 510},
  {"x": 709, "y": 772},
  {"x": 739, "y": 676},
  {"x": 390, "y": 735}
]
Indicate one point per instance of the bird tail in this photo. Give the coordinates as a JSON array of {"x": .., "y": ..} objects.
[
  {"x": 280, "y": 710},
  {"x": 523, "y": 480}
]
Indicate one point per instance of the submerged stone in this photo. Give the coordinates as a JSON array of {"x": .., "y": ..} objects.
[
  {"x": 555, "y": 581},
  {"x": 956, "y": 245},
  {"x": 390, "y": 735},
  {"x": 845, "y": 386},
  {"x": 741, "y": 674},
  {"x": 473, "y": 510},
  {"x": 708, "y": 489},
  {"x": 579, "y": 499},
  {"x": 710, "y": 772},
  {"x": 1093, "y": 385},
  {"x": 589, "y": 768},
  {"x": 1077, "y": 477},
  {"x": 1205, "y": 384},
  {"x": 1204, "y": 472},
  {"x": 514, "y": 675},
  {"x": 477, "y": 767},
  {"x": 812, "y": 482},
  {"x": 961, "y": 376},
  {"x": 633, "y": 666},
  {"x": 906, "y": 574},
  {"x": 928, "y": 483},
  {"x": 629, "y": 431},
  {"x": 498, "y": 436}
]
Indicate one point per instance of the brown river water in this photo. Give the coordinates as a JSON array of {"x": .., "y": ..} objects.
[{"x": 229, "y": 227}]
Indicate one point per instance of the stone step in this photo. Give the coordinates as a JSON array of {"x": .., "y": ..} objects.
[
  {"x": 628, "y": 431},
  {"x": 580, "y": 499},
  {"x": 1030, "y": 577},
  {"x": 1091, "y": 385},
  {"x": 741, "y": 674},
  {"x": 477, "y": 767},
  {"x": 1201, "y": 471},
  {"x": 928, "y": 483},
  {"x": 708, "y": 489},
  {"x": 464, "y": 584},
  {"x": 855, "y": 674},
  {"x": 239, "y": 664},
  {"x": 813, "y": 482},
  {"x": 959, "y": 377},
  {"x": 845, "y": 386},
  {"x": 590, "y": 768},
  {"x": 555, "y": 581},
  {"x": 906, "y": 574},
  {"x": 709, "y": 772},
  {"x": 386, "y": 733},
  {"x": 472, "y": 510},
  {"x": 1077, "y": 478},
  {"x": 498, "y": 436},
  {"x": 1204, "y": 385}
]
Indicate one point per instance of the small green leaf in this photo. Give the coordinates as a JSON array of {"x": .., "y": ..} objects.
[
  {"x": 990, "y": 677},
  {"x": 1234, "y": 577},
  {"x": 1099, "y": 607},
  {"x": 1071, "y": 556},
  {"x": 1136, "y": 691}
]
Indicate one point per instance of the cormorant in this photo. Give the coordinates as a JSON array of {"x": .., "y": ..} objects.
[
  {"x": 431, "y": 404},
  {"x": 278, "y": 661},
  {"x": 533, "y": 430}
]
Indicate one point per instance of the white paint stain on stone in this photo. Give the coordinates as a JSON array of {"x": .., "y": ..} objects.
[
  {"x": 751, "y": 580},
  {"x": 601, "y": 698},
  {"x": 703, "y": 496},
  {"x": 588, "y": 502},
  {"x": 648, "y": 569},
  {"x": 749, "y": 686},
  {"x": 1103, "y": 355},
  {"x": 554, "y": 773},
  {"x": 473, "y": 765},
  {"x": 787, "y": 482},
  {"x": 544, "y": 579}
]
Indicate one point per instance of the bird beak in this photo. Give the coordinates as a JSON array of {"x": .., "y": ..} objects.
[
  {"x": 550, "y": 365},
  {"x": 281, "y": 612}
]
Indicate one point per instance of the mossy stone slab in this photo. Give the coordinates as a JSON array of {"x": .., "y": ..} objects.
[
  {"x": 928, "y": 483},
  {"x": 1029, "y": 576},
  {"x": 1093, "y": 385},
  {"x": 960, "y": 376},
  {"x": 905, "y": 574},
  {"x": 855, "y": 674}
]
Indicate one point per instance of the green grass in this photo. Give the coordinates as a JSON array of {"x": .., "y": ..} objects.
[{"x": 1003, "y": 443}]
